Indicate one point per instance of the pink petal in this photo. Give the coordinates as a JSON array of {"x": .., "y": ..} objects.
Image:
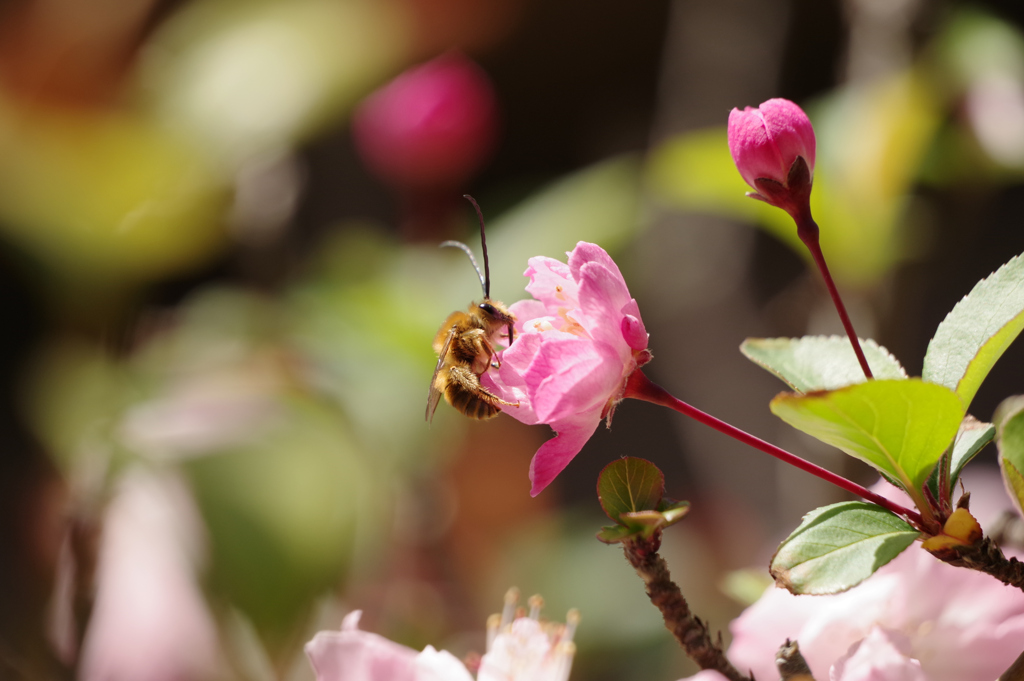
[
  {"x": 439, "y": 665},
  {"x": 791, "y": 131},
  {"x": 762, "y": 628},
  {"x": 150, "y": 621},
  {"x": 590, "y": 253},
  {"x": 354, "y": 655},
  {"x": 706, "y": 675},
  {"x": 765, "y": 142},
  {"x": 751, "y": 147},
  {"x": 555, "y": 454},
  {"x": 509, "y": 381},
  {"x": 880, "y": 656},
  {"x": 633, "y": 332},
  {"x": 551, "y": 284},
  {"x": 603, "y": 294},
  {"x": 571, "y": 376},
  {"x": 525, "y": 310}
]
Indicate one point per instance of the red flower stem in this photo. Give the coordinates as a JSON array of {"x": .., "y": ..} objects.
[
  {"x": 807, "y": 230},
  {"x": 640, "y": 387}
]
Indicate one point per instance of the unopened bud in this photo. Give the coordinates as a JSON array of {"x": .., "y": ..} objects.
[{"x": 767, "y": 145}]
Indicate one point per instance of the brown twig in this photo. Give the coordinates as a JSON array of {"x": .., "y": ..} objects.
[
  {"x": 791, "y": 664},
  {"x": 1015, "y": 672},
  {"x": 690, "y": 631},
  {"x": 986, "y": 556}
]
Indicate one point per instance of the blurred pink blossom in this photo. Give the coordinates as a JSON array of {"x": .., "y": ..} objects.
[
  {"x": 577, "y": 343},
  {"x": 519, "y": 649},
  {"x": 882, "y": 655},
  {"x": 150, "y": 621},
  {"x": 916, "y": 619},
  {"x": 354, "y": 655},
  {"x": 432, "y": 126}
]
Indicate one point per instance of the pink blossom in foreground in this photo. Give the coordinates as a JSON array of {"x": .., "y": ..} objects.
[
  {"x": 518, "y": 649},
  {"x": 916, "y": 619},
  {"x": 150, "y": 621},
  {"x": 577, "y": 342},
  {"x": 765, "y": 143}
]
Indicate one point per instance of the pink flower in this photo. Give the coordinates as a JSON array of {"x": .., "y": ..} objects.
[
  {"x": 150, "y": 621},
  {"x": 431, "y": 127},
  {"x": 765, "y": 144},
  {"x": 881, "y": 656},
  {"x": 518, "y": 649},
  {"x": 917, "y": 619},
  {"x": 354, "y": 655},
  {"x": 577, "y": 342}
]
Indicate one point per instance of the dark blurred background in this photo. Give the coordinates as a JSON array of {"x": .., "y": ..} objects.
[{"x": 217, "y": 303}]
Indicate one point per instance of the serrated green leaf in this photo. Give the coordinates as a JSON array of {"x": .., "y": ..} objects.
[
  {"x": 899, "y": 427},
  {"x": 974, "y": 335},
  {"x": 820, "y": 362},
  {"x": 1006, "y": 410},
  {"x": 1009, "y": 420},
  {"x": 628, "y": 485},
  {"x": 1014, "y": 483},
  {"x": 970, "y": 439},
  {"x": 836, "y": 547},
  {"x": 973, "y": 436}
]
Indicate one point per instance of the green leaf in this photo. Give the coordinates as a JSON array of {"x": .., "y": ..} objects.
[
  {"x": 974, "y": 335},
  {"x": 247, "y": 77},
  {"x": 836, "y": 547},
  {"x": 820, "y": 362},
  {"x": 613, "y": 534},
  {"x": 973, "y": 436},
  {"x": 900, "y": 427},
  {"x": 1009, "y": 418},
  {"x": 644, "y": 523},
  {"x": 628, "y": 485},
  {"x": 673, "y": 511},
  {"x": 971, "y": 439}
]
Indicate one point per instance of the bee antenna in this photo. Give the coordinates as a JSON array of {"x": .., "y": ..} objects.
[
  {"x": 469, "y": 254},
  {"x": 486, "y": 281}
]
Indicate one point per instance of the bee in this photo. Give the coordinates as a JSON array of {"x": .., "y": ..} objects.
[{"x": 465, "y": 346}]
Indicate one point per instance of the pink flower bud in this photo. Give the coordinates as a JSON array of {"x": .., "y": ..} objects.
[
  {"x": 431, "y": 127},
  {"x": 765, "y": 144}
]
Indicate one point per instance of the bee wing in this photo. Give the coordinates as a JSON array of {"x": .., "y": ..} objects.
[{"x": 434, "y": 395}]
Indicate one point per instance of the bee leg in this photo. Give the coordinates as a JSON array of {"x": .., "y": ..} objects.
[
  {"x": 464, "y": 380},
  {"x": 488, "y": 348}
]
